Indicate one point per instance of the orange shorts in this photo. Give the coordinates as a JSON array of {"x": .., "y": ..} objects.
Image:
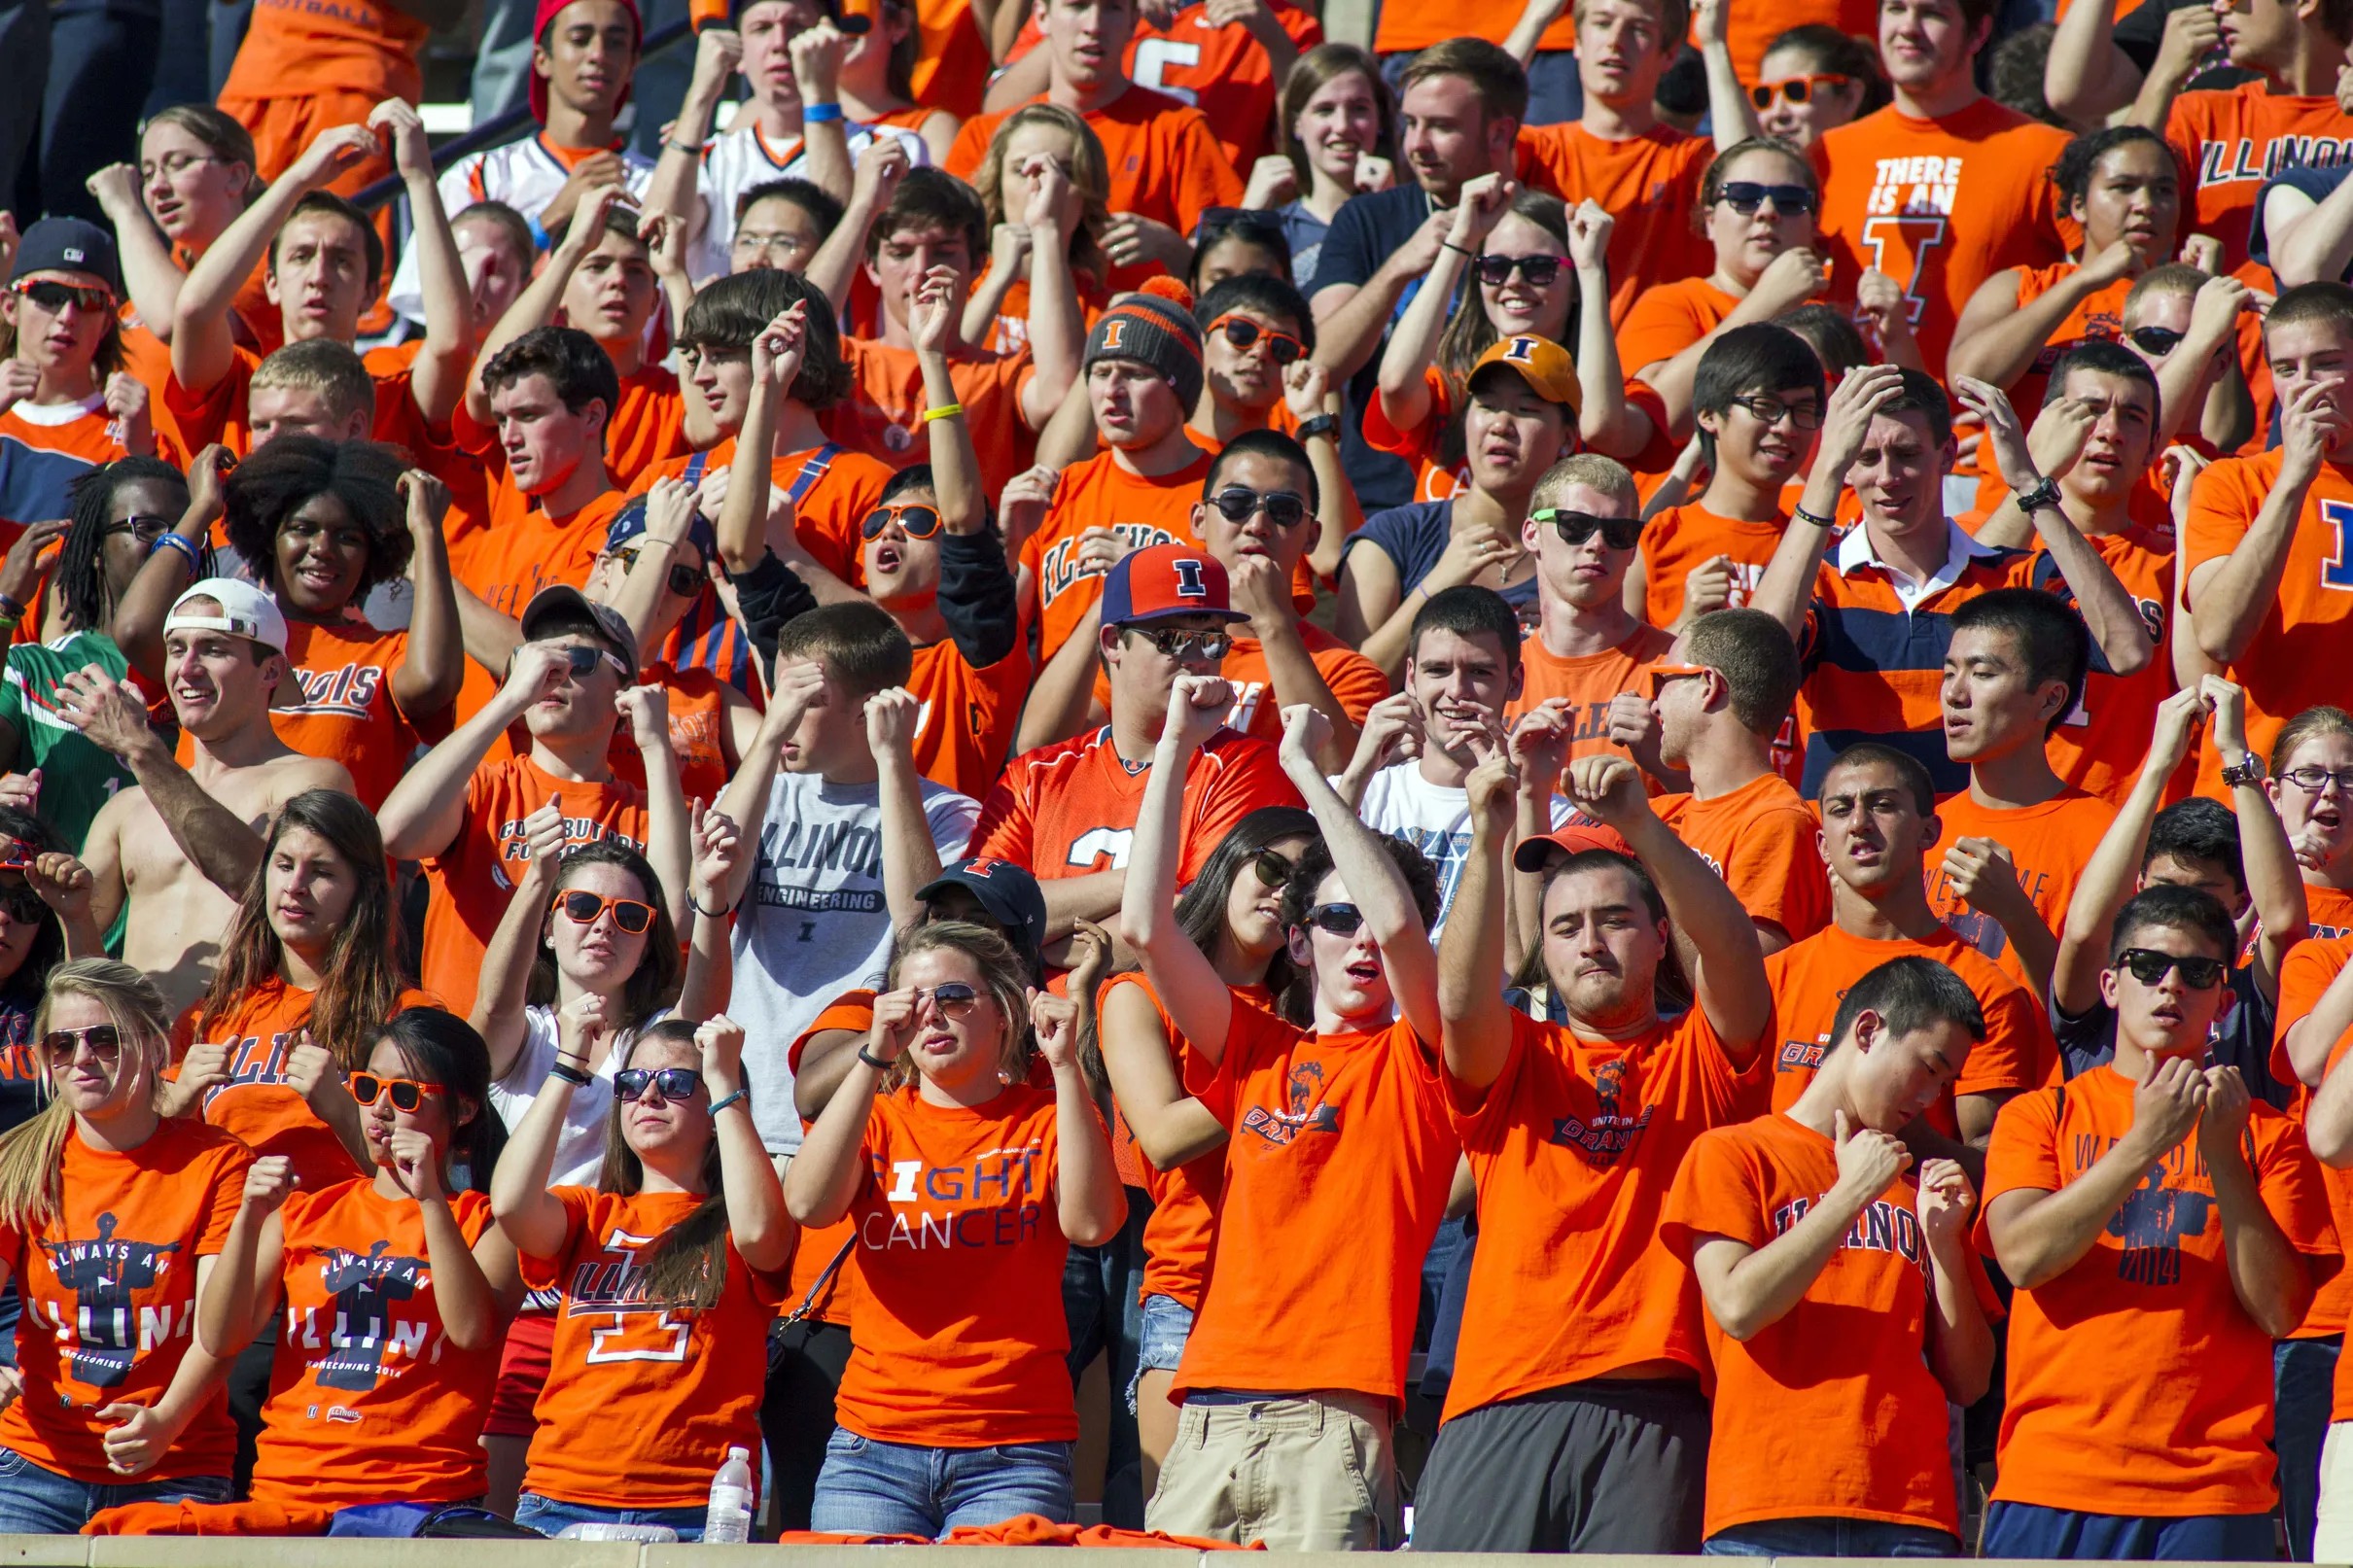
[{"x": 283, "y": 127}]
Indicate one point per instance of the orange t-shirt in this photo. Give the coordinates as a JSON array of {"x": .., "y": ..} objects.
[
  {"x": 1839, "y": 1413},
  {"x": 526, "y": 549},
  {"x": 649, "y": 425},
  {"x": 2304, "y": 974},
  {"x": 965, "y": 716},
  {"x": 2230, "y": 140},
  {"x": 2138, "y": 1385},
  {"x": 1357, "y": 680},
  {"x": 1939, "y": 206},
  {"x": 831, "y": 489},
  {"x": 370, "y": 1403},
  {"x": 1423, "y": 446},
  {"x": 1410, "y": 26},
  {"x": 2047, "y": 844},
  {"x": 698, "y": 732},
  {"x": 2328, "y": 909},
  {"x": 1100, "y": 492},
  {"x": 256, "y": 1105},
  {"x": 960, "y": 1334},
  {"x": 883, "y": 414},
  {"x": 1009, "y": 331},
  {"x": 219, "y": 412},
  {"x": 642, "y": 1401},
  {"x": 952, "y": 67},
  {"x": 2295, "y": 659},
  {"x": 295, "y": 49},
  {"x": 1809, "y": 980},
  {"x": 1668, "y": 318},
  {"x": 1750, "y": 30},
  {"x": 1184, "y": 1201},
  {"x": 2100, "y": 746},
  {"x": 1682, "y": 537},
  {"x": 469, "y": 879},
  {"x": 1279, "y": 1317},
  {"x": 110, "y": 1298},
  {"x": 834, "y": 1298},
  {"x": 1761, "y": 840},
  {"x": 1588, "y": 682},
  {"x": 1575, "y": 1148},
  {"x": 1648, "y": 183},
  {"x": 340, "y": 704}
]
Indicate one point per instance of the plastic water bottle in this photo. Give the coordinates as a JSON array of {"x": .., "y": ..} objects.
[{"x": 729, "y": 1519}]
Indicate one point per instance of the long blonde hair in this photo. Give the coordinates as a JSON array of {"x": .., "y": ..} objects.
[
  {"x": 32, "y": 1154},
  {"x": 1005, "y": 980},
  {"x": 1090, "y": 177}
]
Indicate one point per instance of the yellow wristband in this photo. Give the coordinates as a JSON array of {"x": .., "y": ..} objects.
[{"x": 945, "y": 411}]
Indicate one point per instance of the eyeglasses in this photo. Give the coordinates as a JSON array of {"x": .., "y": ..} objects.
[
  {"x": 1183, "y": 645},
  {"x": 953, "y": 997},
  {"x": 53, "y": 296},
  {"x": 1745, "y": 196},
  {"x": 1796, "y": 89},
  {"x": 1273, "y": 869},
  {"x": 1539, "y": 270},
  {"x": 915, "y": 520},
  {"x": 22, "y": 905},
  {"x": 2314, "y": 778},
  {"x": 1771, "y": 411},
  {"x": 105, "y": 1042},
  {"x": 684, "y": 580},
  {"x": 581, "y": 907},
  {"x": 2158, "y": 340},
  {"x": 2150, "y": 967},
  {"x": 1285, "y": 508},
  {"x": 1341, "y": 920},
  {"x": 1241, "y": 333},
  {"x": 675, "y": 1083},
  {"x": 581, "y": 660},
  {"x": 146, "y": 526},
  {"x": 407, "y": 1094},
  {"x": 175, "y": 164},
  {"x": 1576, "y": 527}
]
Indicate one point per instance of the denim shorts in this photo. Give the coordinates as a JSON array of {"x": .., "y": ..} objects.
[
  {"x": 1167, "y": 1324},
  {"x": 34, "y": 1501},
  {"x": 872, "y": 1487},
  {"x": 550, "y": 1516}
]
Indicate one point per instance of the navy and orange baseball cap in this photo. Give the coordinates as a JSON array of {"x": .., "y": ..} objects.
[
  {"x": 1161, "y": 580},
  {"x": 1544, "y": 365},
  {"x": 545, "y": 13},
  {"x": 1007, "y": 892}
]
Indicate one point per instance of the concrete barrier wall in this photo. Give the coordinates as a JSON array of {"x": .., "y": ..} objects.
[{"x": 295, "y": 1552}]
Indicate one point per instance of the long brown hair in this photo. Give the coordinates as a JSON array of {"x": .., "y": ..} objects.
[
  {"x": 653, "y": 986},
  {"x": 687, "y": 1266},
  {"x": 1472, "y": 332},
  {"x": 1090, "y": 177},
  {"x": 32, "y": 1154},
  {"x": 1004, "y": 976},
  {"x": 358, "y": 986}
]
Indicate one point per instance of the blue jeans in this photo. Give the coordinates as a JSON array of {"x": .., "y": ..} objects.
[
  {"x": 34, "y": 1501},
  {"x": 1168, "y": 1323},
  {"x": 2303, "y": 1374},
  {"x": 2054, "y": 1534},
  {"x": 870, "y": 1487},
  {"x": 549, "y": 1516},
  {"x": 1830, "y": 1538}
]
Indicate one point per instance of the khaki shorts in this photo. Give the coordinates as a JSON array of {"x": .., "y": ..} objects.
[
  {"x": 1304, "y": 1474},
  {"x": 2332, "y": 1538}
]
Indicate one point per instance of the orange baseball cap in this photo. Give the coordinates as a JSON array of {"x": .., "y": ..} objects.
[
  {"x": 1544, "y": 365},
  {"x": 1573, "y": 837}
]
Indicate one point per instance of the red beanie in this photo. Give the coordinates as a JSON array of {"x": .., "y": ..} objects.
[{"x": 549, "y": 10}]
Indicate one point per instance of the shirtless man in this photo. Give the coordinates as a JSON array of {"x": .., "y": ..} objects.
[{"x": 179, "y": 846}]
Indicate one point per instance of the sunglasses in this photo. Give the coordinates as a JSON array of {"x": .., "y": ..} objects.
[
  {"x": 1182, "y": 645},
  {"x": 1745, "y": 196},
  {"x": 1241, "y": 333},
  {"x": 1273, "y": 869},
  {"x": 22, "y": 905},
  {"x": 684, "y": 580},
  {"x": 582, "y": 660},
  {"x": 953, "y": 997},
  {"x": 675, "y": 1083},
  {"x": 2158, "y": 340},
  {"x": 53, "y": 296},
  {"x": 1771, "y": 411},
  {"x": 914, "y": 519},
  {"x": 1341, "y": 920},
  {"x": 407, "y": 1094},
  {"x": 1285, "y": 508},
  {"x": 1539, "y": 270},
  {"x": 1796, "y": 89},
  {"x": 1576, "y": 527},
  {"x": 581, "y": 907},
  {"x": 105, "y": 1042},
  {"x": 2150, "y": 967}
]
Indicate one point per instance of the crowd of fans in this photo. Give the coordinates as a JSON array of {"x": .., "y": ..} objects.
[{"x": 1577, "y": 779}]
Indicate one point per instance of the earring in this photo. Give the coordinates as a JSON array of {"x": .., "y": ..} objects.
[{"x": 1003, "y": 1076}]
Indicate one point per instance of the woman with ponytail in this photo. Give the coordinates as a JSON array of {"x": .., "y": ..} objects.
[
  {"x": 395, "y": 1288},
  {"x": 112, "y": 1216},
  {"x": 669, "y": 1272}
]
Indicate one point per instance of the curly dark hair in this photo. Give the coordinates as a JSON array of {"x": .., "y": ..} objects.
[{"x": 263, "y": 492}]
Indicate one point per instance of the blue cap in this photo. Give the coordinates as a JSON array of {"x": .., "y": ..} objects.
[
  {"x": 1007, "y": 892},
  {"x": 68, "y": 245},
  {"x": 630, "y": 521}
]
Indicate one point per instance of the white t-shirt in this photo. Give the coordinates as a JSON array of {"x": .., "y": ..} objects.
[
  {"x": 741, "y": 159},
  {"x": 1432, "y": 818},
  {"x": 580, "y": 1152},
  {"x": 813, "y": 922}
]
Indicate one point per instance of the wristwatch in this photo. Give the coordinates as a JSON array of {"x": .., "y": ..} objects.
[
  {"x": 2247, "y": 770},
  {"x": 1320, "y": 425},
  {"x": 2044, "y": 497}
]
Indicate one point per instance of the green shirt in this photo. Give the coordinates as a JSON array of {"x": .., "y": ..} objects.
[{"x": 77, "y": 777}]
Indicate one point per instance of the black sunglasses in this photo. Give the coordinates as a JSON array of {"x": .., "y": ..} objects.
[
  {"x": 582, "y": 660},
  {"x": 675, "y": 1083},
  {"x": 104, "y": 1039},
  {"x": 1341, "y": 920},
  {"x": 1174, "y": 643},
  {"x": 2158, "y": 340},
  {"x": 2150, "y": 967},
  {"x": 1285, "y": 508},
  {"x": 1576, "y": 527},
  {"x": 915, "y": 520},
  {"x": 1241, "y": 333},
  {"x": 684, "y": 578},
  {"x": 1745, "y": 196},
  {"x": 1497, "y": 270},
  {"x": 56, "y": 296},
  {"x": 1274, "y": 870}
]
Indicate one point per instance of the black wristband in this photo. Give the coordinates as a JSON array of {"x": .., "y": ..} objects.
[
  {"x": 871, "y": 1061},
  {"x": 1449, "y": 245},
  {"x": 560, "y": 1068},
  {"x": 710, "y": 914},
  {"x": 1804, "y": 516},
  {"x": 1320, "y": 425}
]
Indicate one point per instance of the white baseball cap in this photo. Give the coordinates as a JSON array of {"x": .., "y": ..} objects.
[{"x": 245, "y": 612}]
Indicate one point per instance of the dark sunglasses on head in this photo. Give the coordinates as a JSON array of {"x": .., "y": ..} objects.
[
  {"x": 1745, "y": 196},
  {"x": 1248, "y": 222},
  {"x": 675, "y": 1083},
  {"x": 2150, "y": 967},
  {"x": 1285, "y": 508},
  {"x": 407, "y": 1094},
  {"x": 1576, "y": 527},
  {"x": 915, "y": 520},
  {"x": 581, "y": 907},
  {"x": 1540, "y": 271},
  {"x": 2158, "y": 340},
  {"x": 1176, "y": 642},
  {"x": 53, "y": 296},
  {"x": 1341, "y": 920},
  {"x": 1273, "y": 869},
  {"x": 1241, "y": 333},
  {"x": 105, "y": 1042},
  {"x": 953, "y": 997},
  {"x": 22, "y": 905},
  {"x": 684, "y": 580}
]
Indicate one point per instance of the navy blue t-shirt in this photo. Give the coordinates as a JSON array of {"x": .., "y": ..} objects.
[
  {"x": 1413, "y": 537},
  {"x": 1365, "y": 233},
  {"x": 2319, "y": 184}
]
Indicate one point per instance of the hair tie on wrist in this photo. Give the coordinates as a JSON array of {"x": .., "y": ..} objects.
[{"x": 571, "y": 1074}]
